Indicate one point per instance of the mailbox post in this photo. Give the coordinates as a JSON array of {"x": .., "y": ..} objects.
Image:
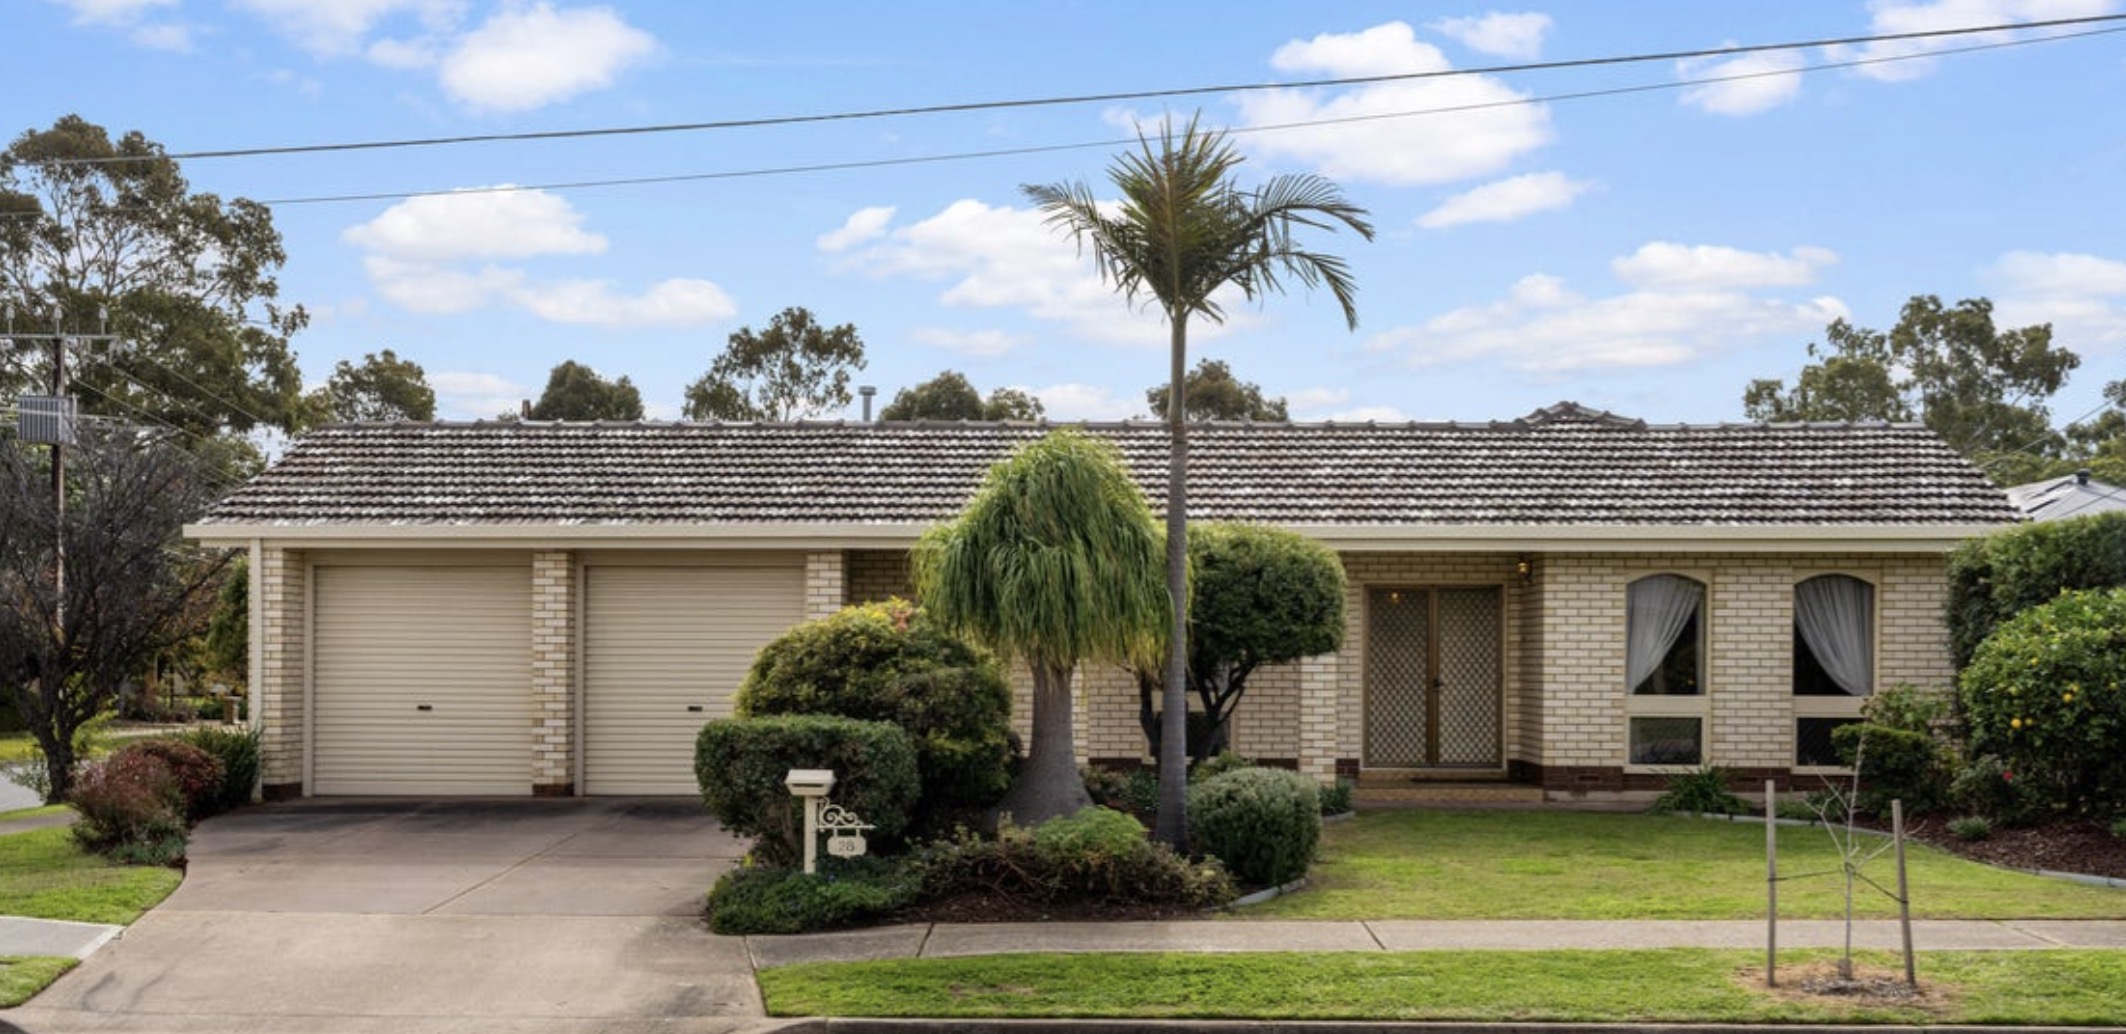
[{"x": 810, "y": 785}]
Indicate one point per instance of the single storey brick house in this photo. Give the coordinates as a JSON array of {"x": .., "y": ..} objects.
[{"x": 1572, "y": 601}]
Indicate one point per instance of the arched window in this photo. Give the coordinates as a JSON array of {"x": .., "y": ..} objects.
[
  {"x": 1834, "y": 662},
  {"x": 1664, "y": 670}
]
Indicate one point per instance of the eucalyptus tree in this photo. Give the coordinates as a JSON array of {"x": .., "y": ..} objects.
[
  {"x": 1055, "y": 560},
  {"x": 1182, "y": 231}
]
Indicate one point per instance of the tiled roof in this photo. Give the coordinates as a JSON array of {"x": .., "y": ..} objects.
[{"x": 1563, "y": 465}]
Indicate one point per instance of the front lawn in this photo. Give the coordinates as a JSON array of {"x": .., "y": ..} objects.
[
  {"x": 22, "y": 976},
  {"x": 1572, "y": 865},
  {"x": 45, "y": 875},
  {"x": 1678, "y": 985},
  {"x": 17, "y": 746}
]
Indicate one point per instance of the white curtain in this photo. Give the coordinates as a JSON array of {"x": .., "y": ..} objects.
[
  {"x": 1656, "y": 609},
  {"x": 1836, "y": 617}
]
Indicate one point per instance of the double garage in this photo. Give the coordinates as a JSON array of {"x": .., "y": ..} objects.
[{"x": 420, "y": 673}]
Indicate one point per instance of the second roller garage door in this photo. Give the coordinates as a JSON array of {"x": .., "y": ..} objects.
[{"x": 664, "y": 649}]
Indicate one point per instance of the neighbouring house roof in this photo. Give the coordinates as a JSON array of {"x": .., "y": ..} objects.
[
  {"x": 2076, "y": 495},
  {"x": 1560, "y": 466}
]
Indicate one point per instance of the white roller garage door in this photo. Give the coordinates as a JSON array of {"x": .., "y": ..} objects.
[
  {"x": 421, "y": 680},
  {"x": 664, "y": 651}
]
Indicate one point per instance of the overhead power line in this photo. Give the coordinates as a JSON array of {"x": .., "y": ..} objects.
[
  {"x": 1007, "y": 152},
  {"x": 1087, "y": 98}
]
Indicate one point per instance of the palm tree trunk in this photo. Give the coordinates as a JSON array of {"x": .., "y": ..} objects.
[
  {"x": 1048, "y": 784},
  {"x": 1171, "y": 825}
]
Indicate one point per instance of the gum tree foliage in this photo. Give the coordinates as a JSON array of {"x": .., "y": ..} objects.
[
  {"x": 1182, "y": 231},
  {"x": 1981, "y": 388},
  {"x": 951, "y": 396},
  {"x": 576, "y": 392},
  {"x": 1213, "y": 393},
  {"x": 1055, "y": 560},
  {"x": 2096, "y": 444},
  {"x": 188, "y": 279},
  {"x": 1261, "y": 596},
  {"x": 382, "y": 389},
  {"x": 129, "y": 580},
  {"x": 796, "y": 368}
]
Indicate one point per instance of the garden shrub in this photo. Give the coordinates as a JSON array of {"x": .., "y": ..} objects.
[
  {"x": 1263, "y": 823},
  {"x": 237, "y": 750},
  {"x": 1971, "y": 827},
  {"x": 887, "y": 662},
  {"x": 2046, "y": 693},
  {"x": 1991, "y": 579},
  {"x": 1336, "y": 797},
  {"x": 1094, "y": 855},
  {"x": 197, "y": 772},
  {"x": 1987, "y": 787},
  {"x": 1898, "y": 764},
  {"x": 130, "y": 802},
  {"x": 741, "y": 764},
  {"x": 1907, "y": 707},
  {"x": 1700, "y": 791},
  {"x": 1212, "y": 768},
  {"x": 1135, "y": 790},
  {"x": 845, "y": 892}
]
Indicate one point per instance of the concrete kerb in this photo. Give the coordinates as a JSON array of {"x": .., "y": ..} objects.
[{"x": 831, "y": 1025}]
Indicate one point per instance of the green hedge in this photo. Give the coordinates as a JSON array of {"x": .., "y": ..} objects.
[
  {"x": 2046, "y": 694},
  {"x": 843, "y": 893},
  {"x": 1899, "y": 764},
  {"x": 1263, "y": 823},
  {"x": 887, "y": 662},
  {"x": 1992, "y": 579},
  {"x": 741, "y": 764}
]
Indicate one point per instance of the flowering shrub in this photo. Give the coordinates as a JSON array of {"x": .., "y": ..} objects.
[
  {"x": 198, "y": 773},
  {"x": 2046, "y": 694},
  {"x": 130, "y": 802}
]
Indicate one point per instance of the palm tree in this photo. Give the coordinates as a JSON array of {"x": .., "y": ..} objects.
[
  {"x": 1055, "y": 560},
  {"x": 1181, "y": 232}
]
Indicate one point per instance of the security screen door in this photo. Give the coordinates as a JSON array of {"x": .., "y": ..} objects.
[{"x": 1432, "y": 677}]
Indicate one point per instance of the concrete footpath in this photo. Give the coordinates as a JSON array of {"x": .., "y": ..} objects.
[{"x": 949, "y": 940}]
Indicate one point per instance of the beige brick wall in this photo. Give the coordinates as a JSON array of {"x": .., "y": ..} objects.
[
  {"x": 876, "y": 574},
  {"x": 826, "y": 584},
  {"x": 553, "y": 671},
  {"x": 280, "y": 605}
]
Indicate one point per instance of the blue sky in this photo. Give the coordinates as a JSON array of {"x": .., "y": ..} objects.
[{"x": 1649, "y": 252}]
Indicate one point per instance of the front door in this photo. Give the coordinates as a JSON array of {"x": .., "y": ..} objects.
[{"x": 1433, "y": 687}]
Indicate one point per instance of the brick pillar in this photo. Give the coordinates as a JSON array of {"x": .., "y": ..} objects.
[
  {"x": 1320, "y": 685},
  {"x": 278, "y": 636},
  {"x": 825, "y": 584},
  {"x": 553, "y": 674}
]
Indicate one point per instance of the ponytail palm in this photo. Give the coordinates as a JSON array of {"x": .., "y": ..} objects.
[
  {"x": 1181, "y": 232},
  {"x": 1055, "y": 560}
]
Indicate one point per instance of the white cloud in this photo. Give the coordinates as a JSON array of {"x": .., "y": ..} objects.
[
  {"x": 339, "y": 28},
  {"x": 2082, "y": 296},
  {"x": 1312, "y": 404},
  {"x": 1753, "y": 82},
  {"x": 437, "y": 254},
  {"x": 1664, "y": 265},
  {"x": 171, "y": 37},
  {"x": 1890, "y": 17},
  {"x": 1686, "y": 303},
  {"x": 528, "y": 57},
  {"x": 1421, "y": 149},
  {"x": 671, "y": 303},
  {"x": 1505, "y": 200},
  {"x": 111, "y": 12},
  {"x": 1367, "y": 414},
  {"x": 865, "y": 224},
  {"x": 994, "y": 257},
  {"x": 478, "y": 224},
  {"x": 1075, "y": 401},
  {"x": 462, "y": 395},
  {"x": 982, "y": 344},
  {"x": 1506, "y": 35}
]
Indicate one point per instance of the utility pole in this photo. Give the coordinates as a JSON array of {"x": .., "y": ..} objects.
[{"x": 52, "y": 420}]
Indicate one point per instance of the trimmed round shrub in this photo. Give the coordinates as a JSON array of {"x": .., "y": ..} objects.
[
  {"x": 237, "y": 750},
  {"x": 1898, "y": 764},
  {"x": 1095, "y": 854},
  {"x": 197, "y": 772},
  {"x": 843, "y": 893},
  {"x": 130, "y": 802},
  {"x": 1263, "y": 823},
  {"x": 741, "y": 765},
  {"x": 888, "y": 662},
  {"x": 1993, "y": 578},
  {"x": 2046, "y": 694}
]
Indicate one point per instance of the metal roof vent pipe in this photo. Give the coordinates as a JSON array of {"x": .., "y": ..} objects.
[
  {"x": 2081, "y": 477},
  {"x": 868, "y": 392}
]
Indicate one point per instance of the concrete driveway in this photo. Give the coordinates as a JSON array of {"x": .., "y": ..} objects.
[{"x": 389, "y": 915}]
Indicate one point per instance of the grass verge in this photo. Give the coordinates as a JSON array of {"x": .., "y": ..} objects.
[
  {"x": 1570, "y": 865},
  {"x": 1671, "y": 986},
  {"x": 22, "y": 976},
  {"x": 16, "y": 746},
  {"x": 45, "y": 875}
]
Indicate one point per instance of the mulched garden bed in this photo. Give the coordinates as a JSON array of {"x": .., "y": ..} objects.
[{"x": 2084, "y": 846}]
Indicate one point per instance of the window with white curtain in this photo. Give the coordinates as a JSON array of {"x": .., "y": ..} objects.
[
  {"x": 1834, "y": 661},
  {"x": 1664, "y": 670}
]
